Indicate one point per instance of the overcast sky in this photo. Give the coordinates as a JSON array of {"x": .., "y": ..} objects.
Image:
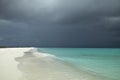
[{"x": 60, "y": 23}]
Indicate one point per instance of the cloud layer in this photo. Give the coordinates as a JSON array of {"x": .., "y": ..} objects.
[{"x": 70, "y": 23}]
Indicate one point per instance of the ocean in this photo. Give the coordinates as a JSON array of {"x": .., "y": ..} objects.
[{"x": 101, "y": 62}]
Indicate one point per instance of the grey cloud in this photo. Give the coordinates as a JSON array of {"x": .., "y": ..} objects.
[
  {"x": 1, "y": 38},
  {"x": 11, "y": 32},
  {"x": 85, "y": 23},
  {"x": 113, "y": 25},
  {"x": 59, "y": 10}
]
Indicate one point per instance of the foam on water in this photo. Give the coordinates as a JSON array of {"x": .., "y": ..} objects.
[{"x": 42, "y": 66}]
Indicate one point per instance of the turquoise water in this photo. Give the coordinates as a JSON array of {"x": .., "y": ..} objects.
[{"x": 102, "y": 61}]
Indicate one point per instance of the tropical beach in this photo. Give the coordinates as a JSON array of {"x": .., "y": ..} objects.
[
  {"x": 59, "y": 39},
  {"x": 34, "y": 64}
]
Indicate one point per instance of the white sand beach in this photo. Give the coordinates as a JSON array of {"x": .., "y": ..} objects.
[
  {"x": 29, "y": 64},
  {"x": 8, "y": 65}
]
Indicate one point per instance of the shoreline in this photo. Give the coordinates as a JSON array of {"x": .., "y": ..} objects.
[{"x": 18, "y": 62}]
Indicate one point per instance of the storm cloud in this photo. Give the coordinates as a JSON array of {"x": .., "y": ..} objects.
[{"x": 60, "y": 23}]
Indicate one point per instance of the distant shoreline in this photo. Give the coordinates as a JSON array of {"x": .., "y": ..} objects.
[
  {"x": 53, "y": 47},
  {"x": 14, "y": 47}
]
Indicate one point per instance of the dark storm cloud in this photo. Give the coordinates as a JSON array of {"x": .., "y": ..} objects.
[
  {"x": 114, "y": 25},
  {"x": 59, "y": 10},
  {"x": 71, "y": 23},
  {"x": 11, "y": 32}
]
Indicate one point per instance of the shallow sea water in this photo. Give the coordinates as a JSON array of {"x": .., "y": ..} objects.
[{"x": 94, "y": 63}]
